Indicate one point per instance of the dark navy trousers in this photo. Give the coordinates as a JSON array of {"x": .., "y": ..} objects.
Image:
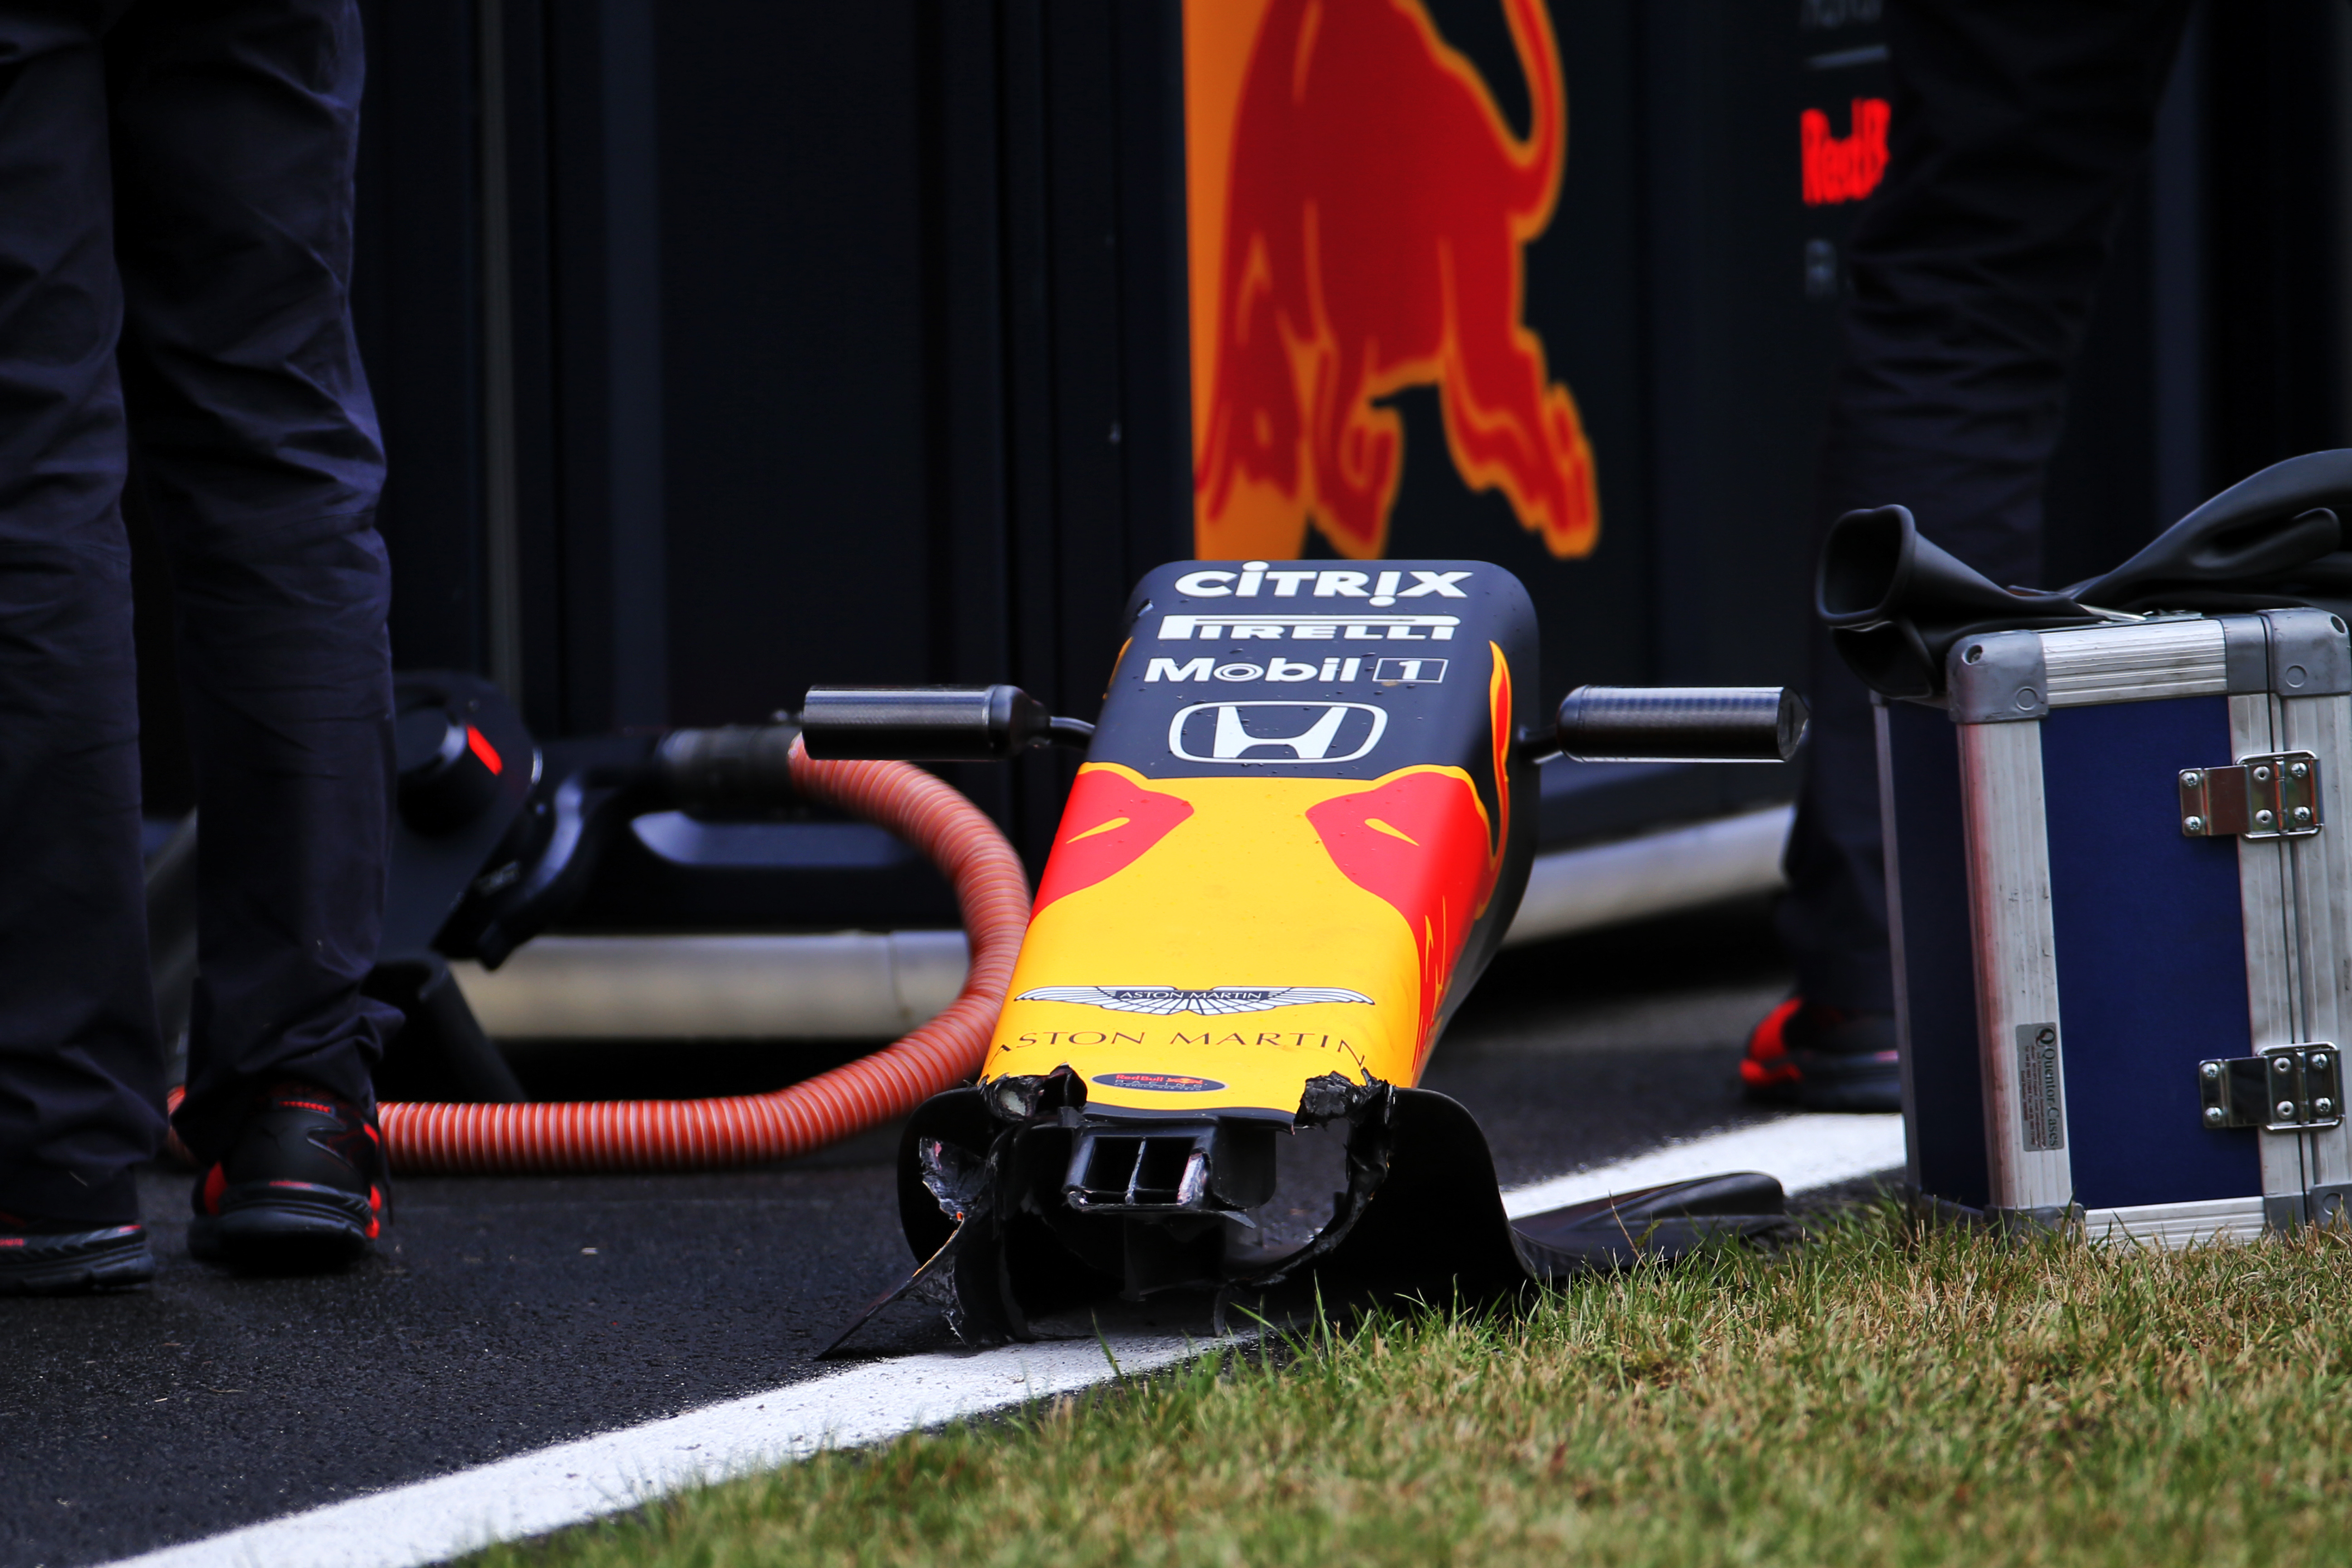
[
  {"x": 2017, "y": 129},
  {"x": 176, "y": 256}
]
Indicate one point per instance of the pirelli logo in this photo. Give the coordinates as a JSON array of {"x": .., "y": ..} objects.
[
  {"x": 1369, "y": 627},
  {"x": 2040, "y": 1096}
]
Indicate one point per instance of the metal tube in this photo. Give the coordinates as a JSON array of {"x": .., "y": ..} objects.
[
  {"x": 1680, "y": 723},
  {"x": 738, "y": 768},
  {"x": 920, "y": 724}
]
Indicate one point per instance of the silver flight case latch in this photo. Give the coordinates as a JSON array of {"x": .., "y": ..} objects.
[
  {"x": 2289, "y": 1089},
  {"x": 2272, "y": 796}
]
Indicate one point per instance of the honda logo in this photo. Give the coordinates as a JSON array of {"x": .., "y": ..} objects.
[{"x": 1292, "y": 732}]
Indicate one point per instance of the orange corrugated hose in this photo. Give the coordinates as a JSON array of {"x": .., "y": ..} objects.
[
  {"x": 752, "y": 1129},
  {"x": 428, "y": 1139}
]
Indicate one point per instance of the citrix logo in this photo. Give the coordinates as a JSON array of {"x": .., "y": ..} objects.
[{"x": 1328, "y": 584}]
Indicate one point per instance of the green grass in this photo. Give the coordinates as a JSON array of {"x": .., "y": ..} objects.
[{"x": 1877, "y": 1396}]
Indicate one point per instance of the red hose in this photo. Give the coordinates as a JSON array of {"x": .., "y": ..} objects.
[{"x": 424, "y": 1139}]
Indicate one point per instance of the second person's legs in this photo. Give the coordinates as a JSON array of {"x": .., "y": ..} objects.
[
  {"x": 235, "y": 130},
  {"x": 2017, "y": 128}
]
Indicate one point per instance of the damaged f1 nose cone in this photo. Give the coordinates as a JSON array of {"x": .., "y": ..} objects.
[{"x": 1292, "y": 845}]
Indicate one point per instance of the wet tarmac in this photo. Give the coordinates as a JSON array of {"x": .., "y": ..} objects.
[{"x": 506, "y": 1314}]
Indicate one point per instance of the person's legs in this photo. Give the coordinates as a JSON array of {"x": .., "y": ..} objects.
[
  {"x": 235, "y": 129},
  {"x": 2017, "y": 128},
  {"x": 80, "y": 1072}
]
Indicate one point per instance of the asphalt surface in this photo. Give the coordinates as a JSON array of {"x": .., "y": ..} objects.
[{"x": 506, "y": 1314}]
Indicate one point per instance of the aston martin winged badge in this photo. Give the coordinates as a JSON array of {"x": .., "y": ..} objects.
[{"x": 1163, "y": 1000}]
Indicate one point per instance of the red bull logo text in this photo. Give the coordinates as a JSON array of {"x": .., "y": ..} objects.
[
  {"x": 1843, "y": 168},
  {"x": 1359, "y": 208}
]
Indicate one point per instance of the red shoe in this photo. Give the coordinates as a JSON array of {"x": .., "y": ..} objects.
[
  {"x": 1824, "y": 1058},
  {"x": 301, "y": 1187}
]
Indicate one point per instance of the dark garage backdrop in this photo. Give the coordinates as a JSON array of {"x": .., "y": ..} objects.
[{"x": 723, "y": 346}]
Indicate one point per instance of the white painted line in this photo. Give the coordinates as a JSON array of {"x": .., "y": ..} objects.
[
  {"x": 1805, "y": 1151},
  {"x": 1655, "y": 873},
  {"x": 571, "y": 1483},
  {"x": 819, "y": 985},
  {"x": 428, "y": 1521}
]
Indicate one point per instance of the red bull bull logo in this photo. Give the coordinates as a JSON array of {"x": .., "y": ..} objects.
[
  {"x": 1421, "y": 843},
  {"x": 1110, "y": 821},
  {"x": 1360, "y": 210}
]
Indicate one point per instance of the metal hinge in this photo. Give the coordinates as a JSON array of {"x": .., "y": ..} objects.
[
  {"x": 2284, "y": 1090},
  {"x": 2272, "y": 796}
]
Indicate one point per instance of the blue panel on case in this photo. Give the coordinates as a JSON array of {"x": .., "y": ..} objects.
[
  {"x": 2151, "y": 952},
  {"x": 1939, "y": 976}
]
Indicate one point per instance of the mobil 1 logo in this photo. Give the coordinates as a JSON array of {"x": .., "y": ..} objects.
[{"x": 1203, "y": 668}]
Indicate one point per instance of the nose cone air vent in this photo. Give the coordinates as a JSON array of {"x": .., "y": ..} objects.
[{"x": 1207, "y": 1169}]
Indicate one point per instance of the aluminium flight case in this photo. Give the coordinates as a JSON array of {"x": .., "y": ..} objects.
[{"x": 2119, "y": 875}]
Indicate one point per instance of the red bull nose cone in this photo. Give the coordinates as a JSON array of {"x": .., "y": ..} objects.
[{"x": 1282, "y": 860}]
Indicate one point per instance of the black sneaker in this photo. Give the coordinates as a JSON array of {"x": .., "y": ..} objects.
[
  {"x": 301, "y": 1188},
  {"x": 1824, "y": 1058},
  {"x": 71, "y": 1258}
]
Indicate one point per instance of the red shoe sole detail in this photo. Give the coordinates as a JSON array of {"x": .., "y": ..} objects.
[{"x": 1766, "y": 1044}]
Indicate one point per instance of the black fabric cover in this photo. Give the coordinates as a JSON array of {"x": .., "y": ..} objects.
[{"x": 1896, "y": 603}]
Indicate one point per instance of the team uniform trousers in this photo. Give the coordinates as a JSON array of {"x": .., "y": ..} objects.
[
  {"x": 176, "y": 254},
  {"x": 2017, "y": 129}
]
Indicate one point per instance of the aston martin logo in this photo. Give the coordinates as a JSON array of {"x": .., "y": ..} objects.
[{"x": 1162, "y": 1000}]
